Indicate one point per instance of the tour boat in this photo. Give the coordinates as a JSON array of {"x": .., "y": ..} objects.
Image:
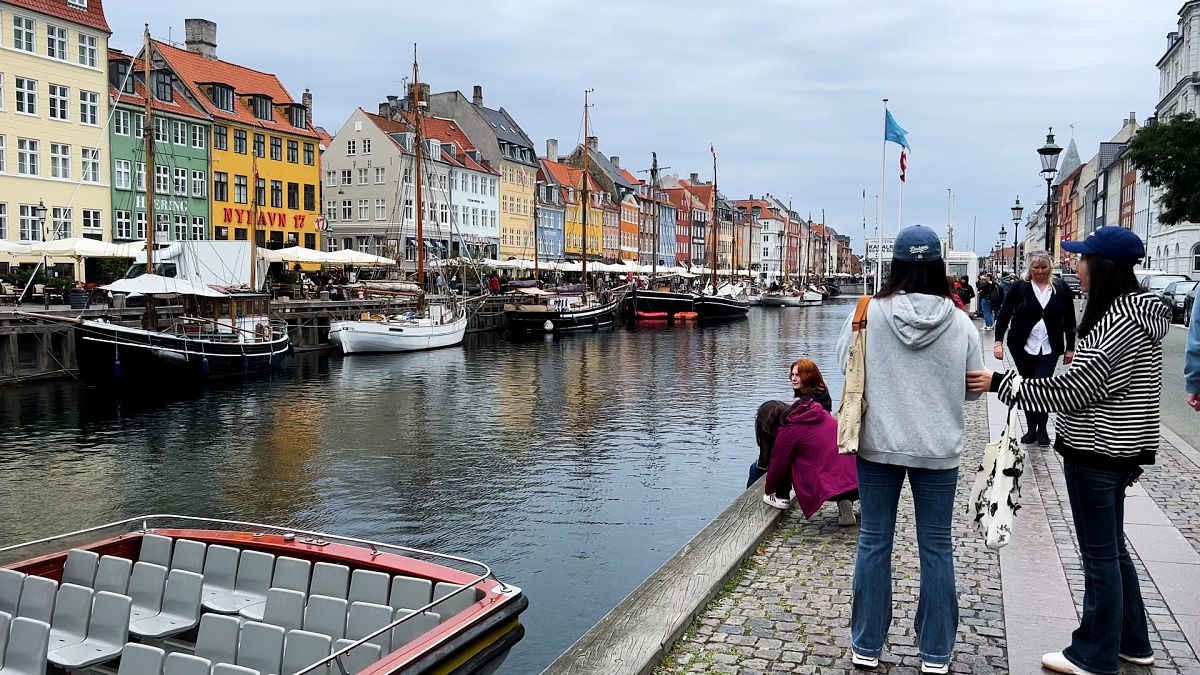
[
  {"x": 197, "y": 594},
  {"x": 545, "y": 312},
  {"x": 437, "y": 326},
  {"x": 791, "y": 298}
]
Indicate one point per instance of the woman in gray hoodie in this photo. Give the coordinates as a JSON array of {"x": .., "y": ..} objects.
[{"x": 919, "y": 349}]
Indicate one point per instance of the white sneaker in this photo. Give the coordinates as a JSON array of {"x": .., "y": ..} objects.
[
  {"x": 1058, "y": 663},
  {"x": 935, "y": 668},
  {"x": 846, "y": 513},
  {"x": 861, "y": 661},
  {"x": 781, "y": 504},
  {"x": 1138, "y": 660}
]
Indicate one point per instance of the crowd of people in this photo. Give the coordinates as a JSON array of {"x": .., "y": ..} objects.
[{"x": 924, "y": 361}]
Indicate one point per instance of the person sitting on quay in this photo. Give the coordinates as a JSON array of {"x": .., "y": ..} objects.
[{"x": 807, "y": 381}]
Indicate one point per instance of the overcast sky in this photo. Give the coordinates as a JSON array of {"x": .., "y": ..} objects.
[{"x": 788, "y": 91}]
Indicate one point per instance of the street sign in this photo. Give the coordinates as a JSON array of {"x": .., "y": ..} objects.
[{"x": 321, "y": 224}]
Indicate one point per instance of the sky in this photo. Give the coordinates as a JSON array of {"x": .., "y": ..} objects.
[{"x": 788, "y": 92}]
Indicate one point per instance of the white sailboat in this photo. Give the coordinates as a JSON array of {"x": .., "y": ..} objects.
[{"x": 429, "y": 326}]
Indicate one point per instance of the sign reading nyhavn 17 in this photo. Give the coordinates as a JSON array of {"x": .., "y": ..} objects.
[{"x": 265, "y": 218}]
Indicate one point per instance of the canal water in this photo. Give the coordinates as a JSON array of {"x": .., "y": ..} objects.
[{"x": 575, "y": 466}]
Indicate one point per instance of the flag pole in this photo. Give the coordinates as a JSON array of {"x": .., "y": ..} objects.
[{"x": 879, "y": 227}]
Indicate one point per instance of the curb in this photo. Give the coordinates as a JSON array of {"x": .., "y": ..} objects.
[{"x": 636, "y": 634}]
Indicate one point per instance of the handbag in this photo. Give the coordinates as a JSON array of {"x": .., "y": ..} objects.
[
  {"x": 996, "y": 494},
  {"x": 853, "y": 405}
]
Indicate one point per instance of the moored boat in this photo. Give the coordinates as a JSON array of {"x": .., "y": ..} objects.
[
  {"x": 436, "y": 327},
  {"x": 545, "y": 312},
  {"x": 303, "y": 602}
]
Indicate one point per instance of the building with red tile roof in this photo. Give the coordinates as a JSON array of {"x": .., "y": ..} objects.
[{"x": 572, "y": 179}]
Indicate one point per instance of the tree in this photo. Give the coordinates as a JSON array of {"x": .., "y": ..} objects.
[{"x": 1168, "y": 155}]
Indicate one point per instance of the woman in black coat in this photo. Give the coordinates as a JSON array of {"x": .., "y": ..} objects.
[{"x": 1041, "y": 312}]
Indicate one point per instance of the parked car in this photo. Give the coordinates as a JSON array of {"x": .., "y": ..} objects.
[
  {"x": 1157, "y": 283},
  {"x": 1188, "y": 302},
  {"x": 1175, "y": 297}
]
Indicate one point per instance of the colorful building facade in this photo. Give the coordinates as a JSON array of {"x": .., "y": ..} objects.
[{"x": 551, "y": 216}]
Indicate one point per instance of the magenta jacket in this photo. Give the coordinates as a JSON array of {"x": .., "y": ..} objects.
[{"x": 807, "y": 447}]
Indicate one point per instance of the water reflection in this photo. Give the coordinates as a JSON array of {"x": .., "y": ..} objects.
[{"x": 575, "y": 466}]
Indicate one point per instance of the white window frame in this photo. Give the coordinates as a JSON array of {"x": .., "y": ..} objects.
[
  {"x": 59, "y": 97},
  {"x": 122, "y": 225},
  {"x": 139, "y": 225},
  {"x": 180, "y": 182},
  {"x": 380, "y": 175},
  {"x": 28, "y": 223},
  {"x": 90, "y": 159},
  {"x": 366, "y": 146},
  {"x": 60, "y": 161},
  {"x": 24, "y": 34},
  {"x": 199, "y": 228},
  {"x": 61, "y": 221},
  {"x": 362, "y": 176},
  {"x": 88, "y": 49},
  {"x": 364, "y": 209},
  {"x": 179, "y": 135},
  {"x": 1, "y": 91},
  {"x": 123, "y": 174},
  {"x": 56, "y": 42},
  {"x": 181, "y": 227},
  {"x": 199, "y": 183},
  {"x": 121, "y": 123},
  {"x": 140, "y": 176},
  {"x": 330, "y": 178},
  {"x": 199, "y": 137},
  {"x": 3, "y": 220},
  {"x": 2, "y": 157},
  {"x": 351, "y": 148},
  {"x": 162, "y": 130},
  {"x": 162, "y": 179},
  {"x": 78, "y": 4},
  {"x": 89, "y": 108},
  {"x": 92, "y": 220},
  {"x": 26, "y": 96},
  {"x": 380, "y": 209}
]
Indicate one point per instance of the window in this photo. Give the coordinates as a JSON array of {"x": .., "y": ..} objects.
[
  {"x": 23, "y": 34},
  {"x": 293, "y": 152},
  {"x": 27, "y": 156},
  {"x": 56, "y": 42},
  {"x": 124, "y": 226},
  {"x": 331, "y": 210},
  {"x": 181, "y": 227},
  {"x": 163, "y": 87},
  {"x": 260, "y": 145},
  {"x": 347, "y": 209},
  {"x": 493, "y": 187},
  {"x": 89, "y": 108},
  {"x": 293, "y": 196},
  {"x": 139, "y": 222},
  {"x": 222, "y": 97},
  {"x": 298, "y": 116},
  {"x": 61, "y": 221},
  {"x": 277, "y": 194},
  {"x": 366, "y": 146},
  {"x": 220, "y": 137},
  {"x": 29, "y": 223},
  {"x": 260, "y": 192},
  {"x": 239, "y": 141},
  {"x": 199, "y": 183},
  {"x": 121, "y": 123},
  {"x": 60, "y": 161},
  {"x": 262, "y": 108},
  {"x": 179, "y": 132},
  {"x": 198, "y": 136},
  {"x": 162, "y": 179},
  {"x": 380, "y": 175},
  {"x": 310, "y": 240},
  {"x": 239, "y": 189},
  {"x": 408, "y": 209},
  {"x": 181, "y": 182},
  {"x": 364, "y": 209},
  {"x": 91, "y": 220},
  {"x": 162, "y": 132},
  {"x": 330, "y": 178},
  {"x": 87, "y": 50},
  {"x": 310, "y": 197},
  {"x": 309, "y": 151},
  {"x": 59, "y": 96},
  {"x": 141, "y": 177},
  {"x": 347, "y": 177},
  {"x": 139, "y": 126},
  {"x": 1, "y": 91},
  {"x": 2, "y": 153},
  {"x": 362, "y": 176},
  {"x": 79, "y": 4},
  {"x": 220, "y": 186},
  {"x": 350, "y": 148},
  {"x": 199, "y": 231},
  {"x": 26, "y": 95},
  {"x": 381, "y": 209},
  {"x": 277, "y": 148},
  {"x": 3, "y": 220},
  {"x": 408, "y": 174},
  {"x": 122, "y": 174},
  {"x": 444, "y": 214}
]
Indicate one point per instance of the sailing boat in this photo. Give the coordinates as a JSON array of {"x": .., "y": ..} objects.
[
  {"x": 656, "y": 303},
  {"x": 429, "y": 326},
  {"x": 722, "y": 302},
  {"x": 219, "y": 333}
]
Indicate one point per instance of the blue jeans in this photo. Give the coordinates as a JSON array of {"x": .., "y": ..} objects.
[
  {"x": 986, "y": 306},
  {"x": 755, "y": 471},
  {"x": 937, "y": 609},
  {"x": 1114, "y": 618}
]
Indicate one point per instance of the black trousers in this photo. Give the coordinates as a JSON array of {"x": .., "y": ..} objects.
[{"x": 1031, "y": 365}]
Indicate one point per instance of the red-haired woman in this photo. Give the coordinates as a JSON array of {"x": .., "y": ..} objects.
[{"x": 807, "y": 381}]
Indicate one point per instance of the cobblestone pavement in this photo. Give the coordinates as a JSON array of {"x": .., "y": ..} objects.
[
  {"x": 790, "y": 611},
  {"x": 1174, "y": 483}
]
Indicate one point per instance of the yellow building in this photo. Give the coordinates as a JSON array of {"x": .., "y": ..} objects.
[
  {"x": 53, "y": 112},
  {"x": 264, "y": 147}
]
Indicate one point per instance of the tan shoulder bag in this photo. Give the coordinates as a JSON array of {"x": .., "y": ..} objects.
[{"x": 853, "y": 406}]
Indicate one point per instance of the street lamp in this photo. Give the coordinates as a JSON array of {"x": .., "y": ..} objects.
[
  {"x": 1049, "y": 155},
  {"x": 1017, "y": 210},
  {"x": 39, "y": 212},
  {"x": 1003, "y": 237}
]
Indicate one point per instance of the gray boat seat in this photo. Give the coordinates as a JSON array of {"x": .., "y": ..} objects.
[
  {"x": 37, "y": 598},
  {"x": 179, "y": 663},
  {"x": 301, "y": 649},
  {"x": 366, "y": 618},
  {"x": 72, "y": 611},
  {"x": 261, "y": 647},
  {"x": 330, "y": 580},
  {"x": 25, "y": 653},
  {"x": 180, "y": 607},
  {"x": 290, "y": 574},
  {"x": 283, "y": 608},
  {"x": 230, "y": 669},
  {"x": 188, "y": 555},
  {"x": 410, "y": 592},
  {"x": 414, "y": 627},
  {"x": 369, "y": 586},
  {"x": 217, "y": 639},
  {"x": 10, "y": 590},
  {"x": 326, "y": 616},
  {"x": 138, "y": 659},
  {"x": 108, "y": 631},
  {"x": 112, "y": 575},
  {"x": 80, "y": 568},
  {"x": 146, "y": 586},
  {"x": 453, "y": 605},
  {"x": 250, "y": 586},
  {"x": 5, "y": 623},
  {"x": 220, "y": 570},
  {"x": 156, "y": 549},
  {"x": 358, "y": 659}
]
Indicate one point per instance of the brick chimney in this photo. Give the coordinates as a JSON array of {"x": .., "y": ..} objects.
[
  {"x": 593, "y": 143},
  {"x": 616, "y": 160},
  {"x": 306, "y": 99},
  {"x": 696, "y": 178},
  {"x": 201, "y": 37},
  {"x": 477, "y": 95},
  {"x": 552, "y": 149}
]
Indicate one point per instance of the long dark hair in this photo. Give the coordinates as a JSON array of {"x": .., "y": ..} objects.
[
  {"x": 1107, "y": 280},
  {"x": 926, "y": 276},
  {"x": 767, "y": 422}
]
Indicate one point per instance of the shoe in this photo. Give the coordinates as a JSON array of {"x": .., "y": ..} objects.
[
  {"x": 846, "y": 513},
  {"x": 781, "y": 504},
  {"x": 1138, "y": 660},
  {"x": 1043, "y": 438},
  {"x": 861, "y": 661},
  {"x": 1029, "y": 438},
  {"x": 1058, "y": 663},
  {"x": 936, "y": 668}
]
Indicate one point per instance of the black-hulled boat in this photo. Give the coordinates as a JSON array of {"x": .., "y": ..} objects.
[
  {"x": 720, "y": 307},
  {"x": 555, "y": 313},
  {"x": 658, "y": 302}
]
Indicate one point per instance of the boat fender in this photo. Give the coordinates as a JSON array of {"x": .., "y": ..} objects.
[
  {"x": 170, "y": 358},
  {"x": 245, "y": 362},
  {"x": 548, "y": 326},
  {"x": 291, "y": 350},
  {"x": 204, "y": 366},
  {"x": 116, "y": 369}
]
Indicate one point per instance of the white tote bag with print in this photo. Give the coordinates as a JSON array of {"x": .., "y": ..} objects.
[{"x": 996, "y": 495}]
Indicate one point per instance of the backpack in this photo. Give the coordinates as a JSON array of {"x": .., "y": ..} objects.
[{"x": 996, "y": 296}]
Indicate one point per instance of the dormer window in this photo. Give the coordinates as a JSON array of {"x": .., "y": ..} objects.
[
  {"x": 261, "y": 105},
  {"x": 404, "y": 139},
  {"x": 77, "y": 4},
  {"x": 221, "y": 96},
  {"x": 163, "y": 89},
  {"x": 298, "y": 116},
  {"x": 433, "y": 149},
  {"x": 120, "y": 77}
]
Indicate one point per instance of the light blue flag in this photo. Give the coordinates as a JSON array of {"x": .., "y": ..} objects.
[{"x": 893, "y": 132}]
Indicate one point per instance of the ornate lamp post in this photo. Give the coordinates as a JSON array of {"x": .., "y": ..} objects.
[
  {"x": 1000, "y": 246},
  {"x": 39, "y": 212},
  {"x": 1017, "y": 210},
  {"x": 1049, "y": 155}
]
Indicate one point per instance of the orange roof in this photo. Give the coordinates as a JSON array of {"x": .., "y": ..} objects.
[
  {"x": 326, "y": 139},
  {"x": 569, "y": 176},
  {"x": 193, "y": 69},
  {"x": 702, "y": 191},
  {"x": 751, "y": 203},
  {"x": 92, "y": 17},
  {"x": 629, "y": 177},
  {"x": 439, "y": 128},
  {"x": 179, "y": 105}
]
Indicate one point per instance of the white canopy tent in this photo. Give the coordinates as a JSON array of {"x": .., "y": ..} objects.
[
  {"x": 348, "y": 256},
  {"x": 13, "y": 248},
  {"x": 153, "y": 284}
]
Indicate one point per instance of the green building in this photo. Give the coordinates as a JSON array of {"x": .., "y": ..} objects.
[{"x": 182, "y": 132}]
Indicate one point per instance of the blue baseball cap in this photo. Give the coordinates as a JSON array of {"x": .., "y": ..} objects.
[
  {"x": 917, "y": 244},
  {"x": 1113, "y": 242}
]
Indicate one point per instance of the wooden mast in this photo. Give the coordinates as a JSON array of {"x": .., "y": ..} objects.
[
  {"x": 150, "y": 318},
  {"x": 655, "y": 217},
  {"x": 715, "y": 223},
  {"x": 584, "y": 191},
  {"x": 417, "y": 155}
]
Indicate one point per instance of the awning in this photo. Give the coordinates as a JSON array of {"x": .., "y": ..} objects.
[{"x": 154, "y": 284}]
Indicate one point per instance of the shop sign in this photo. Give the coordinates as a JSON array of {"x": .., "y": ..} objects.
[{"x": 233, "y": 216}]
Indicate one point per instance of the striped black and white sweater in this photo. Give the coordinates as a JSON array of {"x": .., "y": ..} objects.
[{"x": 1108, "y": 400}]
